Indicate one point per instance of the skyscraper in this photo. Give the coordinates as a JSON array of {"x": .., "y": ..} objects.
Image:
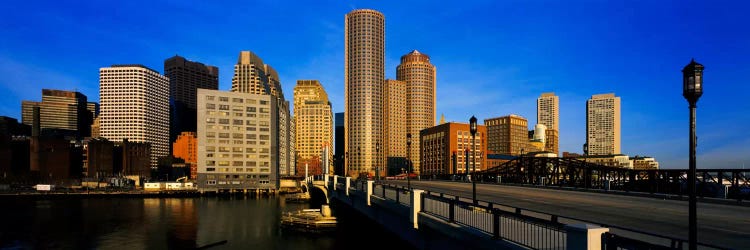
[
  {"x": 548, "y": 114},
  {"x": 60, "y": 110},
  {"x": 395, "y": 117},
  {"x": 134, "y": 104},
  {"x": 364, "y": 63},
  {"x": 603, "y": 124},
  {"x": 313, "y": 120},
  {"x": 419, "y": 74},
  {"x": 252, "y": 76},
  {"x": 507, "y": 135},
  {"x": 185, "y": 78}
]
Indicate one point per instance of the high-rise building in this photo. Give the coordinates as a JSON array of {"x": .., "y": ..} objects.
[
  {"x": 185, "y": 78},
  {"x": 238, "y": 141},
  {"x": 93, "y": 107},
  {"x": 60, "y": 110},
  {"x": 507, "y": 135},
  {"x": 134, "y": 104},
  {"x": 313, "y": 120},
  {"x": 364, "y": 73},
  {"x": 96, "y": 128},
  {"x": 445, "y": 148},
  {"x": 548, "y": 114},
  {"x": 186, "y": 147},
  {"x": 252, "y": 76},
  {"x": 340, "y": 145},
  {"x": 603, "y": 124},
  {"x": 395, "y": 119},
  {"x": 419, "y": 74}
]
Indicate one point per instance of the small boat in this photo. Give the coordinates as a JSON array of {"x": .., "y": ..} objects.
[{"x": 309, "y": 220}]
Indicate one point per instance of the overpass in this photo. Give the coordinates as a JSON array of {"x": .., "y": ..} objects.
[{"x": 507, "y": 217}]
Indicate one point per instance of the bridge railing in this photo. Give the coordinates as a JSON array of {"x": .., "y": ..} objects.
[
  {"x": 535, "y": 229},
  {"x": 394, "y": 193},
  {"x": 513, "y": 226}
]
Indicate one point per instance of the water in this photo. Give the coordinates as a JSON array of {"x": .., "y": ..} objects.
[{"x": 173, "y": 223}]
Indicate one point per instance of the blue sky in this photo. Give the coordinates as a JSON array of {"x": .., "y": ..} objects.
[{"x": 493, "y": 58}]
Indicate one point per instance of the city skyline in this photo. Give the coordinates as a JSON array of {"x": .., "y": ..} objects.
[{"x": 597, "y": 57}]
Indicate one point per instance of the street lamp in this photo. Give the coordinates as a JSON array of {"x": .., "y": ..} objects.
[
  {"x": 473, "y": 130},
  {"x": 692, "y": 89},
  {"x": 377, "y": 161},
  {"x": 408, "y": 159}
]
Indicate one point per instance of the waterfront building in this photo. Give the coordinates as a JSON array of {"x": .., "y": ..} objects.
[
  {"x": 252, "y": 76},
  {"x": 396, "y": 122},
  {"x": 507, "y": 135},
  {"x": 185, "y": 78},
  {"x": 135, "y": 105},
  {"x": 548, "y": 114},
  {"x": 445, "y": 148},
  {"x": 603, "y": 124},
  {"x": 364, "y": 73},
  {"x": 238, "y": 141},
  {"x": 186, "y": 148},
  {"x": 421, "y": 85},
  {"x": 313, "y": 119},
  {"x": 67, "y": 112}
]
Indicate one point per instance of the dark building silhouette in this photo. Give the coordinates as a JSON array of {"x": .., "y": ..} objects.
[
  {"x": 339, "y": 144},
  {"x": 62, "y": 113},
  {"x": 14, "y": 150},
  {"x": 185, "y": 78}
]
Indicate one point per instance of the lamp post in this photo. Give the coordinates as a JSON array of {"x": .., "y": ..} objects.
[
  {"x": 692, "y": 89},
  {"x": 346, "y": 163},
  {"x": 473, "y": 130},
  {"x": 408, "y": 160},
  {"x": 377, "y": 161}
]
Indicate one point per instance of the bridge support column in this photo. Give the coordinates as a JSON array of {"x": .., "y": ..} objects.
[
  {"x": 585, "y": 236},
  {"x": 325, "y": 181},
  {"x": 335, "y": 181},
  {"x": 416, "y": 206},
  {"x": 369, "y": 191},
  {"x": 348, "y": 183}
]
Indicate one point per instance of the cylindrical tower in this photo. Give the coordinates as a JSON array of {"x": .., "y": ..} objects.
[
  {"x": 364, "y": 73},
  {"x": 419, "y": 74}
]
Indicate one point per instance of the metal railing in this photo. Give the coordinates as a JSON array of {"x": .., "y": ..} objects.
[{"x": 512, "y": 226}]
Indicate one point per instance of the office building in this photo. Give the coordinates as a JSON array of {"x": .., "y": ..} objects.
[
  {"x": 186, "y": 147},
  {"x": 395, "y": 120},
  {"x": 603, "y": 124},
  {"x": 313, "y": 120},
  {"x": 134, "y": 102},
  {"x": 65, "y": 112},
  {"x": 252, "y": 76},
  {"x": 445, "y": 148},
  {"x": 507, "y": 135},
  {"x": 419, "y": 74},
  {"x": 185, "y": 78},
  {"x": 238, "y": 141},
  {"x": 364, "y": 73},
  {"x": 548, "y": 114}
]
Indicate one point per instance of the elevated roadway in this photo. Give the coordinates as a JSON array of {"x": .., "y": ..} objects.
[{"x": 718, "y": 224}]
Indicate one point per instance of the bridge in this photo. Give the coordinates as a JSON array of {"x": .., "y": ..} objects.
[{"x": 511, "y": 217}]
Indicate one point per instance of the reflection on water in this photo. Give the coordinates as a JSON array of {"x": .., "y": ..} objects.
[{"x": 171, "y": 223}]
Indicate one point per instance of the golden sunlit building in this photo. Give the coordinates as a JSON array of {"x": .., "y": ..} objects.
[
  {"x": 419, "y": 74},
  {"x": 445, "y": 147},
  {"x": 508, "y": 135},
  {"x": 364, "y": 73},
  {"x": 603, "y": 124},
  {"x": 313, "y": 119}
]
